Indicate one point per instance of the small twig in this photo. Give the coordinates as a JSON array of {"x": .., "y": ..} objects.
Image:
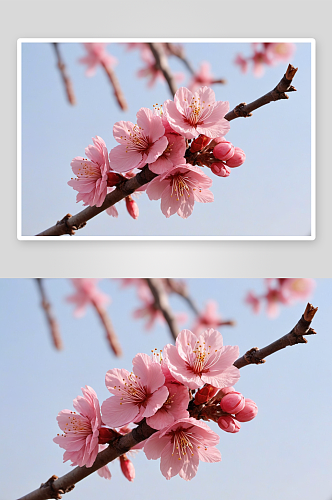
[
  {"x": 109, "y": 330},
  {"x": 65, "y": 78},
  {"x": 52, "y": 322},
  {"x": 295, "y": 336},
  {"x": 161, "y": 302},
  {"x": 245, "y": 110},
  {"x": 178, "y": 51},
  {"x": 181, "y": 289},
  {"x": 129, "y": 186},
  {"x": 116, "y": 86},
  {"x": 162, "y": 64}
]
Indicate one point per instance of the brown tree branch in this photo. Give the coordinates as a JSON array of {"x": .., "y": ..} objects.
[
  {"x": 109, "y": 329},
  {"x": 295, "y": 336},
  {"x": 116, "y": 86},
  {"x": 64, "y": 75},
  {"x": 54, "y": 487},
  {"x": 161, "y": 302},
  {"x": 71, "y": 223},
  {"x": 52, "y": 322},
  {"x": 181, "y": 289},
  {"x": 279, "y": 92},
  {"x": 162, "y": 64}
]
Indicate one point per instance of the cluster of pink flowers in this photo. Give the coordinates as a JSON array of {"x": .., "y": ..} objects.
[
  {"x": 160, "y": 389},
  {"x": 161, "y": 139},
  {"x": 285, "y": 291},
  {"x": 235, "y": 409},
  {"x": 265, "y": 54}
]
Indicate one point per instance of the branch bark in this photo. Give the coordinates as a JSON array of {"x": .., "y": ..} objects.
[
  {"x": 71, "y": 223},
  {"x": 54, "y": 487},
  {"x": 162, "y": 64},
  {"x": 52, "y": 322},
  {"x": 64, "y": 75},
  {"x": 161, "y": 302},
  {"x": 109, "y": 330},
  {"x": 116, "y": 87},
  {"x": 295, "y": 336}
]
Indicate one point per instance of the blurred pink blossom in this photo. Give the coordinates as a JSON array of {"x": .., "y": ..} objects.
[
  {"x": 91, "y": 180},
  {"x": 202, "y": 77},
  {"x": 96, "y": 54},
  {"x": 151, "y": 70},
  {"x": 87, "y": 293},
  {"x": 209, "y": 318},
  {"x": 181, "y": 446},
  {"x": 80, "y": 430}
]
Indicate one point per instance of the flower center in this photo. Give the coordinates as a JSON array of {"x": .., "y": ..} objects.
[
  {"x": 132, "y": 391},
  {"x": 137, "y": 140},
  {"x": 88, "y": 170},
  {"x": 182, "y": 444},
  {"x": 77, "y": 424},
  {"x": 180, "y": 185}
]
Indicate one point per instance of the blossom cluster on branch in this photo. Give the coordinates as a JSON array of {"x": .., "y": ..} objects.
[
  {"x": 160, "y": 389},
  {"x": 162, "y": 139}
]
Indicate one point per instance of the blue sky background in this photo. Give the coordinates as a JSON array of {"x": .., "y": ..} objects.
[
  {"x": 285, "y": 452},
  {"x": 267, "y": 196}
]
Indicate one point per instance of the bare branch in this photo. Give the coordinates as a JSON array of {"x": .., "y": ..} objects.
[
  {"x": 162, "y": 64},
  {"x": 295, "y": 336},
  {"x": 109, "y": 329},
  {"x": 279, "y": 92},
  {"x": 64, "y": 75},
  {"x": 161, "y": 302},
  {"x": 116, "y": 86},
  {"x": 52, "y": 322}
]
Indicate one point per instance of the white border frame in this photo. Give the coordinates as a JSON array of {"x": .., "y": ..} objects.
[{"x": 312, "y": 237}]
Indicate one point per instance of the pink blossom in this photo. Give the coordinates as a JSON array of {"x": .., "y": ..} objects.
[
  {"x": 199, "y": 113},
  {"x": 80, "y": 430},
  {"x": 150, "y": 312},
  {"x": 180, "y": 447},
  {"x": 139, "y": 144},
  {"x": 86, "y": 293},
  {"x": 179, "y": 188},
  {"x": 91, "y": 180},
  {"x": 96, "y": 55},
  {"x": 280, "y": 52},
  {"x": 151, "y": 70},
  {"x": 174, "y": 408},
  {"x": 112, "y": 211},
  {"x": 132, "y": 207},
  {"x": 137, "y": 394},
  {"x": 173, "y": 154},
  {"x": 208, "y": 318},
  {"x": 198, "y": 360},
  {"x": 202, "y": 77},
  {"x": 297, "y": 288},
  {"x": 253, "y": 301},
  {"x": 242, "y": 62}
]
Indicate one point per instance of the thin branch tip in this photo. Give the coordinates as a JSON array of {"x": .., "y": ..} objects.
[{"x": 309, "y": 312}]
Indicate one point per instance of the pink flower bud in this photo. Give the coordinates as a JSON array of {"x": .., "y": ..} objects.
[
  {"x": 132, "y": 207},
  {"x": 249, "y": 411},
  {"x": 228, "y": 424},
  {"x": 220, "y": 169},
  {"x": 199, "y": 143},
  {"x": 113, "y": 179},
  {"x": 232, "y": 402},
  {"x": 106, "y": 435},
  {"x": 205, "y": 394},
  {"x": 216, "y": 141},
  {"x": 237, "y": 159},
  {"x": 224, "y": 151},
  {"x": 127, "y": 468}
]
